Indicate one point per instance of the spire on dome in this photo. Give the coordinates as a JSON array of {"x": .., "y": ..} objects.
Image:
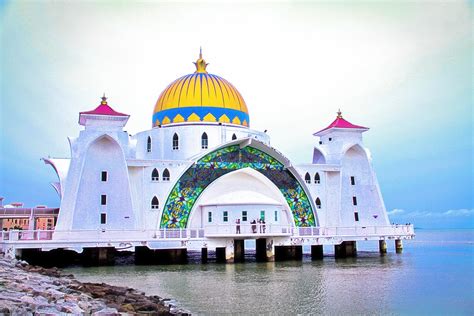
[
  {"x": 200, "y": 63},
  {"x": 339, "y": 114}
]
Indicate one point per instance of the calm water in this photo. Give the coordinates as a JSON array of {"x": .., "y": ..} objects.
[{"x": 434, "y": 275}]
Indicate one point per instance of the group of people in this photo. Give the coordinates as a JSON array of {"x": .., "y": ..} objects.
[{"x": 260, "y": 222}]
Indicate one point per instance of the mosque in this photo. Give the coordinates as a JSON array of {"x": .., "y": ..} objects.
[{"x": 203, "y": 176}]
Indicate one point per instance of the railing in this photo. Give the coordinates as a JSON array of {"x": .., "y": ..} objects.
[
  {"x": 209, "y": 231},
  {"x": 26, "y": 212}
]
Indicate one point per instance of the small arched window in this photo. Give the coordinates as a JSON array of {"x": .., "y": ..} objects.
[
  {"x": 234, "y": 137},
  {"x": 307, "y": 178},
  {"x": 318, "y": 203},
  {"x": 204, "y": 141},
  {"x": 148, "y": 145},
  {"x": 175, "y": 142},
  {"x": 155, "y": 204},
  {"x": 155, "y": 176},
  {"x": 166, "y": 175},
  {"x": 317, "y": 179}
]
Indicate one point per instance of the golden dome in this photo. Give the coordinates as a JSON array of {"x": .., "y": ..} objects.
[{"x": 200, "y": 97}]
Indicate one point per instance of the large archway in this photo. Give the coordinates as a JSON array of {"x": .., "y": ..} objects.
[{"x": 200, "y": 175}]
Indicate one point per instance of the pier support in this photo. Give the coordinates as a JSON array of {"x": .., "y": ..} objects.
[
  {"x": 145, "y": 255},
  {"x": 264, "y": 250},
  {"x": 99, "y": 256},
  {"x": 398, "y": 246},
  {"x": 345, "y": 249},
  {"x": 283, "y": 253},
  {"x": 53, "y": 258},
  {"x": 203, "y": 255},
  {"x": 316, "y": 252},
  {"x": 239, "y": 250},
  {"x": 220, "y": 254},
  {"x": 382, "y": 247}
]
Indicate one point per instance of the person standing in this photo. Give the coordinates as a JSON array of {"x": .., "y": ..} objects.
[{"x": 237, "y": 226}]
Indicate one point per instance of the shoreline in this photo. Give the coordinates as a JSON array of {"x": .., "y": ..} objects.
[{"x": 28, "y": 289}]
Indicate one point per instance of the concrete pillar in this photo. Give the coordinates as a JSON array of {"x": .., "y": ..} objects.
[
  {"x": 382, "y": 246},
  {"x": 239, "y": 250},
  {"x": 398, "y": 245},
  {"x": 288, "y": 253},
  {"x": 229, "y": 251},
  {"x": 99, "y": 256},
  {"x": 203, "y": 255},
  {"x": 345, "y": 249},
  {"x": 220, "y": 254},
  {"x": 144, "y": 255},
  {"x": 264, "y": 250},
  {"x": 316, "y": 252}
]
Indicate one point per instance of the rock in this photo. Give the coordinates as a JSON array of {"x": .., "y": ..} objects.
[
  {"x": 107, "y": 312},
  {"x": 128, "y": 308}
]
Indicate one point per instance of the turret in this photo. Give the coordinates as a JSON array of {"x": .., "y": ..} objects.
[{"x": 335, "y": 139}]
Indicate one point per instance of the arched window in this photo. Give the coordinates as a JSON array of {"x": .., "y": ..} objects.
[
  {"x": 307, "y": 178},
  {"x": 204, "y": 141},
  {"x": 166, "y": 175},
  {"x": 175, "y": 142},
  {"x": 148, "y": 145},
  {"x": 318, "y": 203},
  {"x": 234, "y": 137},
  {"x": 317, "y": 179},
  {"x": 155, "y": 176},
  {"x": 155, "y": 204}
]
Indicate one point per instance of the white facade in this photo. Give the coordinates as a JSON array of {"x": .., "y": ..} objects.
[{"x": 111, "y": 179}]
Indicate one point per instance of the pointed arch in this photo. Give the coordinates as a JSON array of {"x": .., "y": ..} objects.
[
  {"x": 166, "y": 175},
  {"x": 318, "y": 156},
  {"x": 204, "y": 141},
  {"x": 234, "y": 137},
  {"x": 318, "y": 203},
  {"x": 148, "y": 144},
  {"x": 155, "y": 176},
  {"x": 307, "y": 178},
  {"x": 155, "y": 203},
  {"x": 317, "y": 178},
  {"x": 175, "y": 141}
]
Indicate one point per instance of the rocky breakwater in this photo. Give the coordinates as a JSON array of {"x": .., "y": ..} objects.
[{"x": 26, "y": 289}]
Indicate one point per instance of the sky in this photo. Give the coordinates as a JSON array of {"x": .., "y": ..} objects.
[{"x": 404, "y": 69}]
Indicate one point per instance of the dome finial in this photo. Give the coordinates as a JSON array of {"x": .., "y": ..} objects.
[
  {"x": 200, "y": 63},
  {"x": 339, "y": 114},
  {"x": 104, "y": 99}
]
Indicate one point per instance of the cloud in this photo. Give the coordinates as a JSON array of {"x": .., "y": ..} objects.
[
  {"x": 431, "y": 214},
  {"x": 395, "y": 211}
]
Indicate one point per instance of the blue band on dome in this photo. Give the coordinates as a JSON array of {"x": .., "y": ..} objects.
[{"x": 200, "y": 111}]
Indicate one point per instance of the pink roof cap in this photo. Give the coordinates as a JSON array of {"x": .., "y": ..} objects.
[
  {"x": 102, "y": 109},
  {"x": 340, "y": 122}
]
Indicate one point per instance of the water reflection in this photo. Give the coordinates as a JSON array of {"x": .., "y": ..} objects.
[{"x": 417, "y": 281}]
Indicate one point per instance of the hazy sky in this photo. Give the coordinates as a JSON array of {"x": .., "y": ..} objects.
[{"x": 404, "y": 69}]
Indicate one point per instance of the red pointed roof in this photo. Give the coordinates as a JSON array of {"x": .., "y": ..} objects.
[
  {"x": 104, "y": 109},
  {"x": 340, "y": 122}
]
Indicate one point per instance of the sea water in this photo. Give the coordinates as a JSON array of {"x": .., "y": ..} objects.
[{"x": 433, "y": 275}]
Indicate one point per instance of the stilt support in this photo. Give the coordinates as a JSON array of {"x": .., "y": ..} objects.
[
  {"x": 288, "y": 253},
  {"x": 398, "y": 245},
  {"x": 204, "y": 255},
  {"x": 239, "y": 250},
  {"x": 382, "y": 246},
  {"x": 220, "y": 254},
  {"x": 316, "y": 252},
  {"x": 99, "y": 256},
  {"x": 345, "y": 249},
  {"x": 265, "y": 250},
  {"x": 145, "y": 255}
]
